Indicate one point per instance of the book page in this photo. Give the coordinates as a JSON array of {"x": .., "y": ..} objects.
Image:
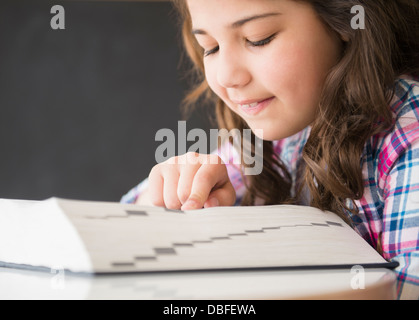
[
  {"x": 37, "y": 234},
  {"x": 131, "y": 238}
]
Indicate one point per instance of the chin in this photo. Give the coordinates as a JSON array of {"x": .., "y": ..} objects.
[
  {"x": 268, "y": 132},
  {"x": 265, "y": 135}
]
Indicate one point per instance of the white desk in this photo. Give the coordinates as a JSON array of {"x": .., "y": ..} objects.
[{"x": 324, "y": 284}]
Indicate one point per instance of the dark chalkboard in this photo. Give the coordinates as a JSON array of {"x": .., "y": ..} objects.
[{"x": 80, "y": 106}]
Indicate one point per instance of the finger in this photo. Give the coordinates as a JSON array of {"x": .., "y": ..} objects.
[
  {"x": 187, "y": 170},
  {"x": 223, "y": 196},
  {"x": 170, "y": 186},
  {"x": 206, "y": 178},
  {"x": 155, "y": 186}
]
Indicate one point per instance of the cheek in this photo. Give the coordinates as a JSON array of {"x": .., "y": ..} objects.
[
  {"x": 297, "y": 71},
  {"x": 289, "y": 76}
]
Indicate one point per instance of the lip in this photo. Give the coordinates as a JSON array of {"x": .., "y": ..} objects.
[{"x": 244, "y": 105}]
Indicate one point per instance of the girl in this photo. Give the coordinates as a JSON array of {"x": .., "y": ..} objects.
[{"x": 338, "y": 106}]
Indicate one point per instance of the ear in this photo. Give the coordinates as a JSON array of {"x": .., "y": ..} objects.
[{"x": 344, "y": 38}]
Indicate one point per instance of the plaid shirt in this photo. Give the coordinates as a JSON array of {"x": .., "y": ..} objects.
[{"x": 389, "y": 208}]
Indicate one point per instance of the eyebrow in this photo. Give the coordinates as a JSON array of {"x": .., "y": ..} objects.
[{"x": 241, "y": 22}]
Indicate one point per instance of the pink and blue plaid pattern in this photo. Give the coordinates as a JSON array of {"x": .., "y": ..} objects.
[{"x": 389, "y": 208}]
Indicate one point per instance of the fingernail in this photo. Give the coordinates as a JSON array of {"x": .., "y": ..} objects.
[
  {"x": 190, "y": 204},
  {"x": 213, "y": 202}
]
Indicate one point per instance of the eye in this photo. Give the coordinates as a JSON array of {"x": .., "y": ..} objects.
[
  {"x": 210, "y": 52},
  {"x": 263, "y": 42},
  {"x": 259, "y": 43}
]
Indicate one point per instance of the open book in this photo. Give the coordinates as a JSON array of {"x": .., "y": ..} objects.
[{"x": 107, "y": 237}]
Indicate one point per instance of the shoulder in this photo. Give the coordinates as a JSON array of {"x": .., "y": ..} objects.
[
  {"x": 405, "y": 103},
  {"x": 392, "y": 144}
]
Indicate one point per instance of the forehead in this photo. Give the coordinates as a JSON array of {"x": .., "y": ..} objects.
[{"x": 223, "y": 13}]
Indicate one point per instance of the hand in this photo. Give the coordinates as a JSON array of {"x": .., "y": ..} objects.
[{"x": 191, "y": 181}]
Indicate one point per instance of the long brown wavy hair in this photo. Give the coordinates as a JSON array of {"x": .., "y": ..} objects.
[{"x": 354, "y": 103}]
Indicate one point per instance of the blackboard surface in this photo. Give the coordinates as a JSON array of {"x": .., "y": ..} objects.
[{"x": 80, "y": 106}]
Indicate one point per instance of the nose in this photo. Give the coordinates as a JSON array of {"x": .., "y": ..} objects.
[{"x": 232, "y": 71}]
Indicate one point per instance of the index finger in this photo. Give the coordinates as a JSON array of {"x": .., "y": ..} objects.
[{"x": 208, "y": 177}]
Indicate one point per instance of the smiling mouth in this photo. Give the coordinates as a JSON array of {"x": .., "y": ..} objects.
[
  {"x": 254, "y": 107},
  {"x": 251, "y": 105},
  {"x": 247, "y": 104}
]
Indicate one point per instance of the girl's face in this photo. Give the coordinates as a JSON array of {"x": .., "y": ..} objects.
[{"x": 266, "y": 59}]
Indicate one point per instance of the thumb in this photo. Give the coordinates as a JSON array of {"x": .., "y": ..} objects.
[
  {"x": 208, "y": 180},
  {"x": 193, "y": 202},
  {"x": 225, "y": 196}
]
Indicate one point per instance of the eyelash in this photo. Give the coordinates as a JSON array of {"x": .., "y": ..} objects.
[{"x": 259, "y": 43}]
